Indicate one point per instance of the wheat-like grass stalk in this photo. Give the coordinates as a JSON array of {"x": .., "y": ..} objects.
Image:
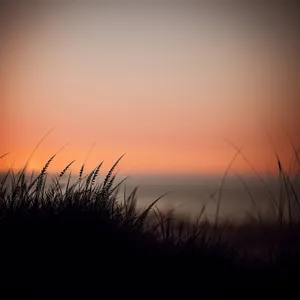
[
  {"x": 65, "y": 169},
  {"x": 35, "y": 148},
  {"x": 81, "y": 171},
  {"x": 96, "y": 173},
  {"x": 109, "y": 174},
  {"x": 40, "y": 177}
]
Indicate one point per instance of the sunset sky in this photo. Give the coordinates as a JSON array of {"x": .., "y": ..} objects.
[{"x": 164, "y": 84}]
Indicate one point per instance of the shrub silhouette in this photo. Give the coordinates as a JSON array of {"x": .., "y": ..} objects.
[{"x": 83, "y": 233}]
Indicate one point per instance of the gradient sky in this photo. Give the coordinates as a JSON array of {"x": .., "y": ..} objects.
[{"x": 163, "y": 83}]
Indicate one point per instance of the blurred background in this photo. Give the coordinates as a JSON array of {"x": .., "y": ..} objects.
[{"x": 166, "y": 82}]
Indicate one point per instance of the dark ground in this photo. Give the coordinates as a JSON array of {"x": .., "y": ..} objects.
[{"x": 41, "y": 251}]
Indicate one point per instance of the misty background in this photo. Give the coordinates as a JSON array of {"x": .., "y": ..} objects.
[{"x": 164, "y": 82}]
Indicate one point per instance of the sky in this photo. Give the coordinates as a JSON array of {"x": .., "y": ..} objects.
[{"x": 165, "y": 82}]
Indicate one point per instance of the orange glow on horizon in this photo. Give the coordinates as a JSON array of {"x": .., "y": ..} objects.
[
  {"x": 150, "y": 161},
  {"x": 164, "y": 88}
]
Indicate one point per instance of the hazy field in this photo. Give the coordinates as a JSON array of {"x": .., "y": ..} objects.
[{"x": 241, "y": 198}]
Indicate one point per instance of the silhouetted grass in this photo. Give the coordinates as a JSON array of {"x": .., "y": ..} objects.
[{"x": 86, "y": 233}]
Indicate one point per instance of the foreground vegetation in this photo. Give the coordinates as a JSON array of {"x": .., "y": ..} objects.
[{"x": 85, "y": 233}]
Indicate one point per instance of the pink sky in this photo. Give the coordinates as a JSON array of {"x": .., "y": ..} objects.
[{"x": 164, "y": 86}]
